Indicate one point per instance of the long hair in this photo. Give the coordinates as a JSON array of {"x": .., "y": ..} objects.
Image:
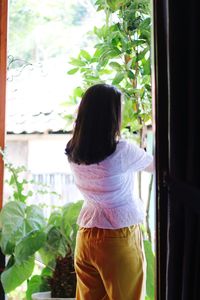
[{"x": 97, "y": 125}]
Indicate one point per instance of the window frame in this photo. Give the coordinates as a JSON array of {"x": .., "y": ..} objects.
[{"x": 3, "y": 69}]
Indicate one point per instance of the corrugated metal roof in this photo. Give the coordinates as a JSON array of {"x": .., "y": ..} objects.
[{"x": 37, "y": 123}]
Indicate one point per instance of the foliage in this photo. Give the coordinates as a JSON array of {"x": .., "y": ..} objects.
[
  {"x": 57, "y": 252},
  {"x": 26, "y": 236},
  {"x": 41, "y": 29},
  {"x": 22, "y": 230},
  {"x": 22, "y": 234},
  {"x": 121, "y": 57},
  {"x": 150, "y": 257},
  {"x": 61, "y": 233}
]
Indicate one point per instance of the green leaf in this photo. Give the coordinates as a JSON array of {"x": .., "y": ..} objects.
[
  {"x": 71, "y": 212},
  {"x": 45, "y": 286},
  {"x": 17, "y": 220},
  {"x": 100, "y": 4},
  {"x": 150, "y": 269},
  {"x": 101, "y": 32},
  {"x": 97, "y": 53},
  {"x": 131, "y": 74},
  {"x": 73, "y": 71},
  {"x": 33, "y": 286},
  {"x": 147, "y": 67},
  {"x": 56, "y": 244},
  {"x": 39, "y": 283},
  {"x": 46, "y": 272},
  {"x": 70, "y": 215},
  {"x": 142, "y": 54},
  {"x": 85, "y": 55},
  {"x": 138, "y": 42},
  {"x": 114, "y": 4},
  {"x": 116, "y": 66},
  {"x": 77, "y": 62},
  {"x": 145, "y": 23},
  {"x": 34, "y": 218},
  {"x": 105, "y": 71},
  {"x": 78, "y": 92},
  {"x": 118, "y": 78},
  {"x": 55, "y": 218},
  {"x": 91, "y": 78},
  {"x": 10, "y": 262},
  {"x": 11, "y": 219},
  {"x": 47, "y": 256},
  {"x": 103, "y": 61},
  {"x": 145, "y": 34},
  {"x": 29, "y": 245},
  {"x": 7, "y": 246},
  {"x": 54, "y": 237},
  {"x": 17, "y": 274},
  {"x": 115, "y": 52}
]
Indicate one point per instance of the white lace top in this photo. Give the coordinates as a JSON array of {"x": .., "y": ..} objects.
[{"x": 108, "y": 188}]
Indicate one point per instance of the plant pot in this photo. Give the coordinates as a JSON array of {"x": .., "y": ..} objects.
[{"x": 47, "y": 296}]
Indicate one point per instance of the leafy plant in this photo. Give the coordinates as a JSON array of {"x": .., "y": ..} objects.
[
  {"x": 26, "y": 237},
  {"x": 121, "y": 56},
  {"x": 63, "y": 280},
  {"x": 57, "y": 254},
  {"x": 22, "y": 235},
  {"x": 150, "y": 282}
]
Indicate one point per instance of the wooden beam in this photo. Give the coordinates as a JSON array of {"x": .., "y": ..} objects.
[{"x": 3, "y": 67}]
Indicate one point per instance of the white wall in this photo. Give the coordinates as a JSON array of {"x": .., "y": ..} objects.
[
  {"x": 43, "y": 154},
  {"x": 46, "y": 154},
  {"x": 40, "y": 153}
]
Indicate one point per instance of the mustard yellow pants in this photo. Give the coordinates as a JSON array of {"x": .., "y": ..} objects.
[{"x": 110, "y": 264}]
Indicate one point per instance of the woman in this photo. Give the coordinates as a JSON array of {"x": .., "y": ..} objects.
[{"x": 109, "y": 257}]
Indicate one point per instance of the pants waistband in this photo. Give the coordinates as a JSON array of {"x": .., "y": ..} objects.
[{"x": 99, "y": 233}]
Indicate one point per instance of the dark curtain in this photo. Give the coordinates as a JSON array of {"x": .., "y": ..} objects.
[
  {"x": 183, "y": 278},
  {"x": 180, "y": 24}
]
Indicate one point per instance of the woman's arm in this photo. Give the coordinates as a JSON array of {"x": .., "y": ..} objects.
[{"x": 150, "y": 168}]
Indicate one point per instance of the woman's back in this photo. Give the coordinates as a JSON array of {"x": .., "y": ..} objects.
[{"x": 109, "y": 189}]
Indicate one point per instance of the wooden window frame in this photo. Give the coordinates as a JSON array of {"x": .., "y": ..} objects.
[{"x": 3, "y": 69}]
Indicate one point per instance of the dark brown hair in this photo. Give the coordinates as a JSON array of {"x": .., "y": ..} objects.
[{"x": 97, "y": 125}]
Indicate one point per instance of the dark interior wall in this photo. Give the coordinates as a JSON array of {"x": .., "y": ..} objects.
[
  {"x": 176, "y": 28},
  {"x": 184, "y": 221},
  {"x": 184, "y": 26}
]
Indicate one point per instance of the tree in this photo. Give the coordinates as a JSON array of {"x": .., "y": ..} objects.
[{"x": 39, "y": 30}]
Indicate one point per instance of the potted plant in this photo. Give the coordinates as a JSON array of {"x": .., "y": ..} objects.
[
  {"x": 58, "y": 255},
  {"x": 26, "y": 237},
  {"x": 22, "y": 229},
  {"x": 62, "y": 281}
]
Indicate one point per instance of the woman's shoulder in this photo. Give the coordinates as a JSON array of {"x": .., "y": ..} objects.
[
  {"x": 115, "y": 156},
  {"x": 123, "y": 144}
]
